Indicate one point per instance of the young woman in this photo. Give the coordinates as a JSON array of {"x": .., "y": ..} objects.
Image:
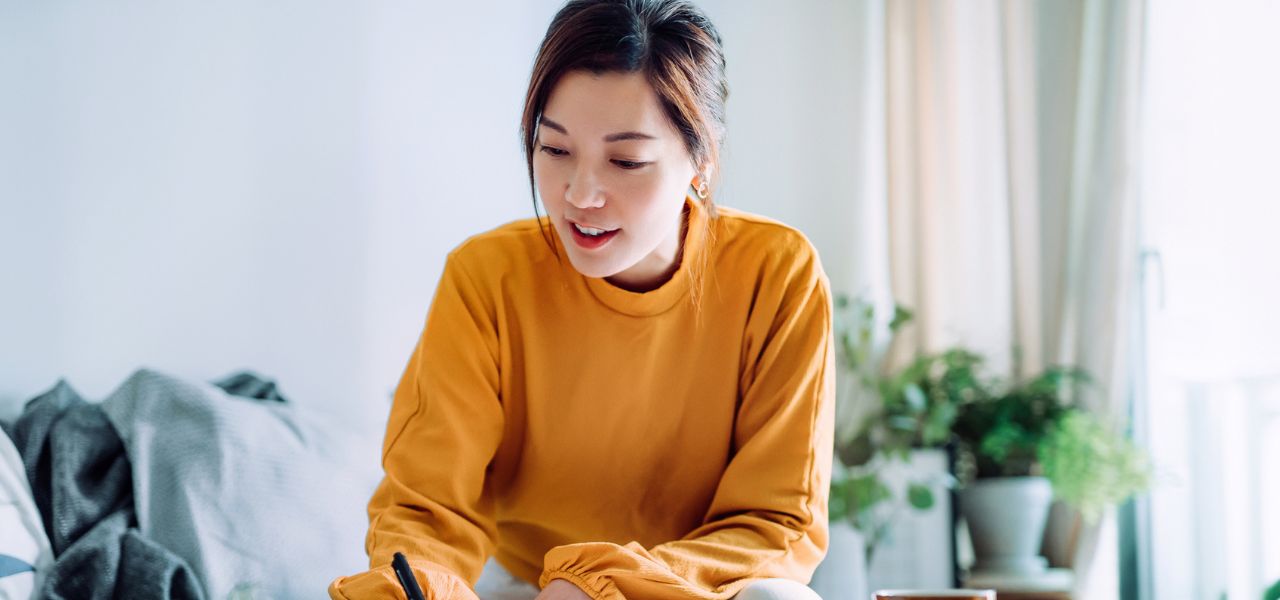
[{"x": 633, "y": 396}]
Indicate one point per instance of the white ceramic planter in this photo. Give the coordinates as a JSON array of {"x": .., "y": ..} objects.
[
  {"x": 1006, "y": 518},
  {"x": 842, "y": 575},
  {"x": 916, "y": 551}
]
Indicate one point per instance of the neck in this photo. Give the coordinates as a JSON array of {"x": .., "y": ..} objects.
[{"x": 641, "y": 283}]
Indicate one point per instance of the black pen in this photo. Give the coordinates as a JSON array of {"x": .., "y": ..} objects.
[{"x": 405, "y": 574}]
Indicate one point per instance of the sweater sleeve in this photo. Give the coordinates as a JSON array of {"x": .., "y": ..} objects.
[
  {"x": 446, "y": 424},
  {"x": 768, "y": 516}
]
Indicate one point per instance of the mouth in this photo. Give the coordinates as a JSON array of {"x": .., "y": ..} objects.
[{"x": 591, "y": 238}]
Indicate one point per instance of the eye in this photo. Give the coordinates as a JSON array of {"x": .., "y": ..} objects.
[
  {"x": 629, "y": 164},
  {"x": 553, "y": 151}
]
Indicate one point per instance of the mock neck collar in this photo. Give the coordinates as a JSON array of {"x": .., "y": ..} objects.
[{"x": 663, "y": 297}]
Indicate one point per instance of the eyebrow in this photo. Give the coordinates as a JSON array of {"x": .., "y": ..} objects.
[{"x": 613, "y": 137}]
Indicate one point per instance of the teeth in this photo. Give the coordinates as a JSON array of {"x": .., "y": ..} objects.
[{"x": 590, "y": 230}]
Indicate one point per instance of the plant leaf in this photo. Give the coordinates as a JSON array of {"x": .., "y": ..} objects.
[
  {"x": 901, "y": 316},
  {"x": 1091, "y": 466},
  {"x": 1273, "y": 592},
  {"x": 920, "y": 496},
  {"x": 915, "y": 397}
]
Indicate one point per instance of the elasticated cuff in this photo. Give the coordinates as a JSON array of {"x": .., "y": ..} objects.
[
  {"x": 437, "y": 583},
  {"x": 599, "y": 588}
]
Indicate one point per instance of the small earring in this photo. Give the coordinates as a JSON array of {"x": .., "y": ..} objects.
[{"x": 702, "y": 190}]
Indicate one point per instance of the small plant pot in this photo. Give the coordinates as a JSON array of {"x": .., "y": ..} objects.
[
  {"x": 1006, "y": 518},
  {"x": 842, "y": 575}
]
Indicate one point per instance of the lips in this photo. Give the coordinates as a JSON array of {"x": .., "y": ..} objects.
[
  {"x": 591, "y": 242},
  {"x": 590, "y": 226}
]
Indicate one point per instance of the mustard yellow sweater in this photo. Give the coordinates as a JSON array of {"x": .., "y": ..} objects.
[{"x": 638, "y": 445}]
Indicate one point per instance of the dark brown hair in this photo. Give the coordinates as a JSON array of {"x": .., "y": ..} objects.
[{"x": 670, "y": 41}]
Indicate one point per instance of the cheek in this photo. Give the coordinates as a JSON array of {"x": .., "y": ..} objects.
[
  {"x": 548, "y": 180},
  {"x": 656, "y": 196}
]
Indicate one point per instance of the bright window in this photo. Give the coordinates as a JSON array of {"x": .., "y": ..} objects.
[{"x": 1211, "y": 216}]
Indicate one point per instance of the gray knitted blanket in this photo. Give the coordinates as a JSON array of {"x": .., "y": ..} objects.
[
  {"x": 80, "y": 482},
  {"x": 262, "y": 499}
]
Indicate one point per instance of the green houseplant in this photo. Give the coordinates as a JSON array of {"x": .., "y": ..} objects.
[
  {"x": 1022, "y": 445},
  {"x": 1001, "y": 431},
  {"x": 1033, "y": 428},
  {"x": 882, "y": 417}
]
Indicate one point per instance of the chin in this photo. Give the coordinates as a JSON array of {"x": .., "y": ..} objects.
[{"x": 590, "y": 267}]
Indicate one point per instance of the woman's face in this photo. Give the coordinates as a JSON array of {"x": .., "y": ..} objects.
[{"x": 608, "y": 160}]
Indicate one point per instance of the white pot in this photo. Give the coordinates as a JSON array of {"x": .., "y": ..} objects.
[
  {"x": 916, "y": 550},
  {"x": 842, "y": 575},
  {"x": 1006, "y": 518}
]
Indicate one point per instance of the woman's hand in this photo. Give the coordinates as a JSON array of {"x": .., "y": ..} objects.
[{"x": 560, "y": 589}]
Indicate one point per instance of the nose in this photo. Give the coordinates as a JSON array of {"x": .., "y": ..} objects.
[{"x": 584, "y": 190}]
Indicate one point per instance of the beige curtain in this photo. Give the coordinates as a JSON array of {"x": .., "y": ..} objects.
[{"x": 1011, "y": 143}]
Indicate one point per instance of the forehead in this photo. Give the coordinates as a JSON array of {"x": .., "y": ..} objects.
[{"x": 597, "y": 105}]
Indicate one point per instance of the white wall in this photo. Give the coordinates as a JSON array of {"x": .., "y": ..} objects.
[{"x": 205, "y": 187}]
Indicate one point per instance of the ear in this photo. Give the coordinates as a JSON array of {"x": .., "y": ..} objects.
[{"x": 703, "y": 174}]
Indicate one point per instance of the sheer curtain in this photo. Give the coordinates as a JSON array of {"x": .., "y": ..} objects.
[{"x": 1011, "y": 142}]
